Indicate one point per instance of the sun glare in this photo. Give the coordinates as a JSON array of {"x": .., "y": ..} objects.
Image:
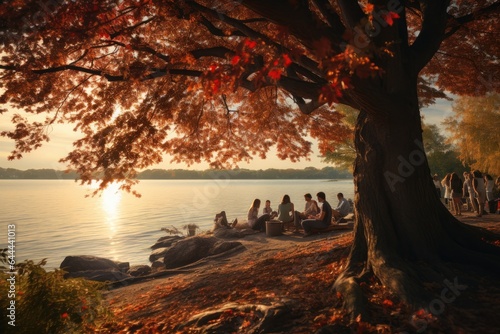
[{"x": 110, "y": 199}]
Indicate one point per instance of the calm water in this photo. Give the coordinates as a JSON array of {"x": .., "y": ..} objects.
[{"x": 53, "y": 218}]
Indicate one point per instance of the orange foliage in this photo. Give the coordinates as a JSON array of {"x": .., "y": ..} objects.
[{"x": 141, "y": 79}]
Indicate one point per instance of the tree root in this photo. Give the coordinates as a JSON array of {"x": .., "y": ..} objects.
[{"x": 354, "y": 300}]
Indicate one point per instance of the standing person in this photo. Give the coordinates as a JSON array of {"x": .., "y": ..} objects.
[
  {"x": 437, "y": 184},
  {"x": 466, "y": 189},
  {"x": 447, "y": 191},
  {"x": 342, "y": 209},
  {"x": 490, "y": 197},
  {"x": 479, "y": 191},
  {"x": 496, "y": 193},
  {"x": 322, "y": 219},
  {"x": 456, "y": 193},
  {"x": 286, "y": 211},
  {"x": 470, "y": 191},
  {"x": 254, "y": 221},
  {"x": 496, "y": 189}
]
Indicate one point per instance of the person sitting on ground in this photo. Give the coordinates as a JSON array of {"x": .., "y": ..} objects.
[
  {"x": 322, "y": 219},
  {"x": 286, "y": 211},
  {"x": 269, "y": 210},
  {"x": 342, "y": 209},
  {"x": 221, "y": 221},
  {"x": 254, "y": 221},
  {"x": 311, "y": 209}
]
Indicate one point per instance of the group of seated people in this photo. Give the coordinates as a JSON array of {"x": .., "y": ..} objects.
[{"x": 312, "y": 218}]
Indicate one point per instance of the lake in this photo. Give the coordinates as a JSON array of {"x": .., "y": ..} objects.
[{"x": 53, "y": 218}]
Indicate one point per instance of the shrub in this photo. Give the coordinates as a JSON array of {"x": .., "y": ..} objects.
[{"x": 46, "y": 302}]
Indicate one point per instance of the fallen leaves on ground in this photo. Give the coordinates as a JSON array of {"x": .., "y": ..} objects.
[{"x": 304, "y": 274}]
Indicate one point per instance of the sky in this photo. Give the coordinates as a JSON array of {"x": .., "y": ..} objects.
[{"x": 62, "y": 137}]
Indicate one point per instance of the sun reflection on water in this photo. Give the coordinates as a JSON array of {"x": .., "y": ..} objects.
[{"x": 110, "y": 200}]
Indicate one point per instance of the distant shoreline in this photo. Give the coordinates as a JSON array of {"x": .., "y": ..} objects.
[{"x": 328, "y": 173}]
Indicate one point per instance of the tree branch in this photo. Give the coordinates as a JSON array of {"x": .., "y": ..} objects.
[
  {"x": 459, "y": 22},
  {"x": 119, "y": 32},
  {"x": 299, "y": 19},
  {"x": 352, "y": 12},
  {"x": 310, "y": 66},
  {"x": 431, "y": 35},
  {"x": 216, "y": 31},
  {"x": 218, "y": 51},
  {"x": 330, "y": 15}
]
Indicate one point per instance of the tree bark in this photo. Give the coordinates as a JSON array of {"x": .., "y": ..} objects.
[{"x": 404, "y": 235}]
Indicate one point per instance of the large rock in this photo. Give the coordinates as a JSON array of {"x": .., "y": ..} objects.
[
  {"x": 88, "y": 262},
  {"x": 139, "y": 270},
  {"x": 158, "y": 253},
  {"x": 190, "y": 250},
  {"x": 95, "y": 268},
  {"x": 157, "y": 266},
  {"x": 166, "y": 241},
  {"x": 232, "y": 233},
  {"x": 99, "y": 275}
]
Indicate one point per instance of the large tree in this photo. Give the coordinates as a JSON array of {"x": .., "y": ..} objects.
[
  {"x": 441, "y": 156},
  {"x": 217, "y": 81}
]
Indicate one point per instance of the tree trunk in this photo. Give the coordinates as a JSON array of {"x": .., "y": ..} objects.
[{"x": 403, "y": 234}]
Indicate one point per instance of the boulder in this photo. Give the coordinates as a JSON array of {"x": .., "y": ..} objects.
[
  {"x": 158, "y": 253},
  {"x": 190, "y": 250},
  {"x": 223, "y": 246},
  {"x": 88, "y": 262},
  {"x": 99, "y": 275},
  {"x": 166, "y": 241},
  {"x": 232, "y": 233},
  {"x": 139, "y": 270},
  {"x": 157, "y": 265},
  {"x": 124, "y": 266}
]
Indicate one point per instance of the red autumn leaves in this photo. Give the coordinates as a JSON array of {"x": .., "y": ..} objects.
[
  {"x": 227, "y": 76},
  {"x": 246, "y": 64}
]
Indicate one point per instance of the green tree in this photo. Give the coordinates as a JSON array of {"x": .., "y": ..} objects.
[
  {"x": 214, "y": 81},
  {"x": 475, "y": 131},
  {"x": 443, "y": 157},
  {"x": 344, "y": 152}
]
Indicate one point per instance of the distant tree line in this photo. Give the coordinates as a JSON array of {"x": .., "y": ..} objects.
[
  {"x": 173, "y": 174},
  {"x": 37, "y": 174}
]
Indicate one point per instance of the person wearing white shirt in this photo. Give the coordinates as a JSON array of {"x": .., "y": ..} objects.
[{"x": 342, "y": 209}]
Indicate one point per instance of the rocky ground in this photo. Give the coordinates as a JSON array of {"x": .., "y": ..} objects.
[{"x": 283, "y": 284}]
